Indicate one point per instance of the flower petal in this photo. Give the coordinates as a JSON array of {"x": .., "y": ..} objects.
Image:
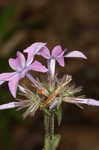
[
  {"x": 60, "y": 60},
  {"x": 13, "y": 84},
  {"x": 21, "y": 59},
  {"x": 37, "y": 66},
  {"x": 9, "y": 105},
  {"x": 14, "y": 64},
  {"x": 30, "y": 58},
  {"x": 57, "y": 50},
  {"x": 18, "y": 63},
  {"x": 33, "y": 50},
  {"x": 6, "y": 76},
  {"x": 45, "y": 53},
  {"x": 76, "y": 54}
]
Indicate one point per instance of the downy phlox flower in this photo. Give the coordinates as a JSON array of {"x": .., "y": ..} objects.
[
  {"x": 57, "y": 54},
  {"x": 33, "y": 50},
  {"x": 21, "y": 67}
]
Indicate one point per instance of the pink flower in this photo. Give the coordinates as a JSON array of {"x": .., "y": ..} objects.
[
  {"x": 57, "y": 54},
  {"x": 39, "y": 48},
  {"x": 21, "y": 67},
  {"x": 34, "y": 50}
]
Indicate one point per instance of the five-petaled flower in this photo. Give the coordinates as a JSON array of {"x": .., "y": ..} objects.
[
  {"x": 21, "y": 67},
  {"x": 57, "y": 54}
]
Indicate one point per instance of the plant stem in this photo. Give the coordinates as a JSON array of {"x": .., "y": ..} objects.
[
  {"x": 51, "y": 141},
  {"x": 46, "y": 127},
  {"x": 46, "y": 124},
  {"x": 52, "y": 125}
]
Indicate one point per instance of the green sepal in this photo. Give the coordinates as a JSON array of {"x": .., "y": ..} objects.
[
  {"x": 58, "y": 112},
  {"x": 46, "y": 110},
  {"x": 52, "y": 144},
  {"x": 55, "y": 142}
]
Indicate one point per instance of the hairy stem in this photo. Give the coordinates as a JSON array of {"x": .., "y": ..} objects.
[
  {"x": 52, "y": 125},
  {"x": 46, "y": 124}
]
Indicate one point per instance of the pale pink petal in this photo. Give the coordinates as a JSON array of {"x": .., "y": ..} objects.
[
  {"x": 60, "y": 60},
  {"x": 30, "y": 58},
  {"x": 13, "y": 84},
  {"x": 34, "y": 48},
  {"x": 57, "y": 50},
  {"x": 37, "y": 66},
  {"x": 21, "y": 59},
  {"x": 14, "y": 63},
  {"x": 18, "y": 63},
  {"x": 45, "y": 53},
  {"x": 76, "y": 54},
  {"x": 6, "y": 76},
  {"x": 9, "y": 105}
]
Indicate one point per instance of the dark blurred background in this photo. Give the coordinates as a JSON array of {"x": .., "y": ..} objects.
[{"x": 74, "y": 25}]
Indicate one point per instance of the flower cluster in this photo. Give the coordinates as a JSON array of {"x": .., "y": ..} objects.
[{"x": 48, "y": 94}]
